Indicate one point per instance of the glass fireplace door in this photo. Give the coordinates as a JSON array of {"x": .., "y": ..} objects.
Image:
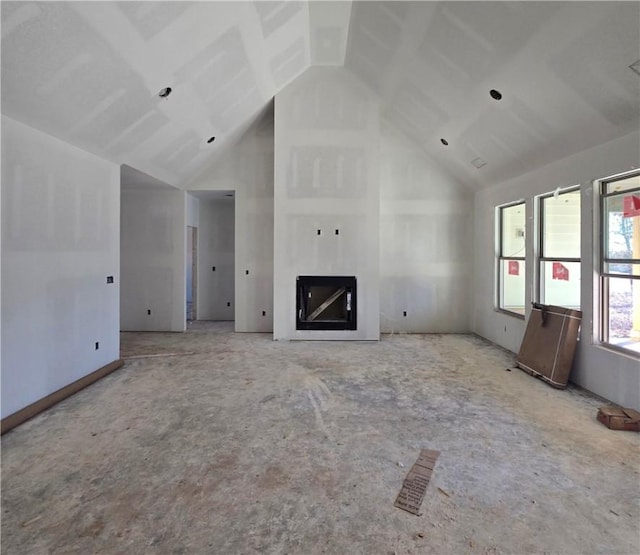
[{"x": 326, "y": 303}]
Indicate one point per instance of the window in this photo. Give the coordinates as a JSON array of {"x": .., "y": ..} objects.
[
  {"x": 620, "y": 262},
  {"x": 511, "y": 253},
  {"x": 559, "y": 249}
]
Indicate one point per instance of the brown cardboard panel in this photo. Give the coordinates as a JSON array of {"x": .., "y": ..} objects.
[
  {"x": 549, "y": 343},
  {"x": 415, "y": 484}
]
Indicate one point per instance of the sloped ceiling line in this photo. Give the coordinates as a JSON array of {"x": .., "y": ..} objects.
[{"x": 89, "y": 73}]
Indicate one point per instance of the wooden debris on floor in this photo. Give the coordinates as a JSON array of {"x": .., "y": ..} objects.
[
  {"x": 619, "y": 418},
  {"x": 415, "y": 484}
]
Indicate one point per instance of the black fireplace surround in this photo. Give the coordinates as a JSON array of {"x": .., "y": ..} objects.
[{"x": 326, "y": 303}]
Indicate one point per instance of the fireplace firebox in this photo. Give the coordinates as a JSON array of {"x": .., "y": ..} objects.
[{"x": 326, "y": 303}]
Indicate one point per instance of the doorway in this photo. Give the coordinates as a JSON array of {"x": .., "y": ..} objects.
[
  {"x": 210, "y": 272},
  {"x": 192, "y": 272}
]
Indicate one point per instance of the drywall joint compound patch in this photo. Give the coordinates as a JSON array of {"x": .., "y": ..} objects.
[{"x": 415, "y": 484}]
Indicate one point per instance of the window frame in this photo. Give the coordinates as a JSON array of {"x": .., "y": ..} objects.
[
  {"x": 603, "y": 337},
  {"x": 540, "y": 254},
  {"x": 500, "y": 258}
]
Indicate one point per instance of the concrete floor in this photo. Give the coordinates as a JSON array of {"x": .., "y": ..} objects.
[{"x": 233, "y": 443}]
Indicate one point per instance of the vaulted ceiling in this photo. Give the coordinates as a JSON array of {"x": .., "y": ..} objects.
[{"x": 90, "y": 73}]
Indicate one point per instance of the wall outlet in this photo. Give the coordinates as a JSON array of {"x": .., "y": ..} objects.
[
  {"x": 404, "y": 313},
  {"x": 149, "y": 312},
  {"x": 97, "y": 345},
  {"x": 109, "y": 279}
]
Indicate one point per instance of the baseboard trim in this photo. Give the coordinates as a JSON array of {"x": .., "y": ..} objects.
[{"x": 43, "y": 404}]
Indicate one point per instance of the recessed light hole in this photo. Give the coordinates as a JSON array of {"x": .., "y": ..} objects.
[
  {"x": 211, "y": 139},
  {"x": 164, "y": 93},
  {"x": 444, "y": 142},
  {"x": 496, "y": 95}
]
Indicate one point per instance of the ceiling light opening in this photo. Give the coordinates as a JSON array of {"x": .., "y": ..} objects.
[
  {"x": 444, "y": 142},
  {"x": 164, "y": 93},
  {"x": 496, "y": 95},
  {"x": 210, "y": 140}
]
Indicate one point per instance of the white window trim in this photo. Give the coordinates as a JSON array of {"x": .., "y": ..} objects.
[
  {"x": 539, "y": 239},
  {"x": 498, "y": 258},
  {"x": 600, "y": 314}
]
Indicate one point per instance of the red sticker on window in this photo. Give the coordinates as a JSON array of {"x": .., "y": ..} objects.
[
  {"x": 560, "y": 271},
  {"x": 514, "y": 268},
  {"x": 631, "y": 206}
]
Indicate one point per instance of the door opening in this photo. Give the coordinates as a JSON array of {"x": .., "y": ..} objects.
[{"x": 192, "y": 272}]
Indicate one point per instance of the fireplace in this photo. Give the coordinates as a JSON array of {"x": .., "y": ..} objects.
[{"x": 326, "y": 303}]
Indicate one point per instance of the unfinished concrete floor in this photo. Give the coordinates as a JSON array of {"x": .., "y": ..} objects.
[{"x": 233, "y": 443}]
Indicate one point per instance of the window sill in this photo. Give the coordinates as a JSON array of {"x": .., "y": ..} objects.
[
  {"x": 510, "y": 313},
  {"x": 628, "y": 353}
]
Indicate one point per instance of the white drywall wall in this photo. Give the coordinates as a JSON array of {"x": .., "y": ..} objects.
[
  {"x": 193, "y": 211},
  {"x": 60, "y": 241},
  {"x": 326, "y": 178},
  {"x": 153, "y": 260},
  {"x": 247, "y": 169},
  {"x": 425, "y": 242},
  {"x": 216, "y": 250},
  {"x": 610, "y": 374}
]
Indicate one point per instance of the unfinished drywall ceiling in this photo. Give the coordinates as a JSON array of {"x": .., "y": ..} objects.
[
  {"x": 562, "y": 68},
  {"x": 90, "y": 73}
]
